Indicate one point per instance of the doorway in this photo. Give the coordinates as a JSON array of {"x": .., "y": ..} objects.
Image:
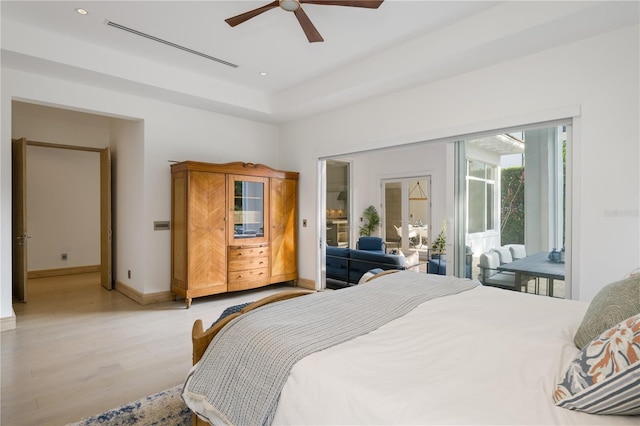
[
  {"x": 407, "y": 213},
  {"x": 20, "y": 237}
]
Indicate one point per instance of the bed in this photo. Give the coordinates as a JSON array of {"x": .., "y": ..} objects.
[{"x": 475, "y": 355}]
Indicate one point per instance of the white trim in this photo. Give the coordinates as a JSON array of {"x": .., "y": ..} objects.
[
  {"x": 572, "y": 214},
  {"x": 535, "y": 119},
  {"x": 321, "y": 226},
  {"x": 569, "y": 115},
  {"x": 8, "y": 323}
]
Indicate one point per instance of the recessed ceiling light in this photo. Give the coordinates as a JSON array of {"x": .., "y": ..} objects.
[
  {"x": 82, "y": 11},
  {"x": 263, "y": 73}
]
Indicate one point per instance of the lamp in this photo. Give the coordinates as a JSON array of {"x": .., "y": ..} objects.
[{"x": 420, "y": 196}]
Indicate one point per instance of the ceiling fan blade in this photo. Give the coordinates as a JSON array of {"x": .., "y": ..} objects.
[
  {"x": 369, "y": 4},
  {"x": 236, "y": 20},
  {"x": 309, "y": 29}
]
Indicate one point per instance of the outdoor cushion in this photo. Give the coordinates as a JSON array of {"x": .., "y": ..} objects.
[
  {"x": 517, "y": 251},
  {"x": 501, "y": 279},
  {"x": 504, "y": 254},
  {"x": 489, "y": 263}
]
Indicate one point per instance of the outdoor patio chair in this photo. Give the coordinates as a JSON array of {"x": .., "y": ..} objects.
[{"x": 491, "y": 276}]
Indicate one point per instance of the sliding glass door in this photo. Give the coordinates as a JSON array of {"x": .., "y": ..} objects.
[{"x": 513, "y": 189}]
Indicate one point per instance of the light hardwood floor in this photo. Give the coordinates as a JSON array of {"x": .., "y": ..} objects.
[{"x": 79, "y": 350}]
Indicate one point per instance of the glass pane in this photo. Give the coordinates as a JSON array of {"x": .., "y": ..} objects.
[
  {"x": 476, "y": 169},
  {"x": 393, "y": 213},
  {"x": 419, "y": 212},
  {"x": 248, "y": 209},
  {"x": 407, "y": 215},
  {"x": 476, "y": 206},
  {"x": 491, "y": 172},
  {"x": 490, "y": 196},
  {"x": 337, "y": 202}
]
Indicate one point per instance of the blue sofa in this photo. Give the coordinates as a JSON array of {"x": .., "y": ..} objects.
[{"x": 349, "y": 265}]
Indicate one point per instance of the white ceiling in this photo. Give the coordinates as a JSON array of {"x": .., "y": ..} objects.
[{"x": 366, "y": 52}]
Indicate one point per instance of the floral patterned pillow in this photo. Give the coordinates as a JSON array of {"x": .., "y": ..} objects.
[{"x": 605, "y": 376}]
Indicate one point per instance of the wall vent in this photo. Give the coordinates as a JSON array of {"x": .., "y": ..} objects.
[{"x": 168, "y": 43}]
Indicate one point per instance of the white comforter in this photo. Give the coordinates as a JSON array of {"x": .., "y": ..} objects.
[{"x": 486, "y": 356}]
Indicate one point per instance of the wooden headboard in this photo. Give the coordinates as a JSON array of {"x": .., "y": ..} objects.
[{"x": 202, "y": 338}]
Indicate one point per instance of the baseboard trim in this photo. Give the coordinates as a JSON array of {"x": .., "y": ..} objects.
[
  {"x": 143, "y": 298},
  {"x": 43, "y": 273},
  {"x": 307, "y": 284},
  {"x": 8, "y": 323}
]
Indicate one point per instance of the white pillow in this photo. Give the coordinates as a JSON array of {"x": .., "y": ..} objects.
[{"x": 412, "y": 259}]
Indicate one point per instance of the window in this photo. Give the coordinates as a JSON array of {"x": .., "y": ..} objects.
[{"x": 481, "y": 200}]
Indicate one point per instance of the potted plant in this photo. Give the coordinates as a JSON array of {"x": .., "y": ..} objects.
[
  {"x": 438, "y": 247},
  {"x": 372, "y": 218}
]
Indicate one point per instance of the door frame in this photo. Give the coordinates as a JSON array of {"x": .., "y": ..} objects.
[{"x": 19, "y": 198}]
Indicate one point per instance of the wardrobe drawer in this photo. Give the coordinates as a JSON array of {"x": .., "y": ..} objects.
[
  {"x": 248, "y": 278},
  {"x": 242, "y": 263}
]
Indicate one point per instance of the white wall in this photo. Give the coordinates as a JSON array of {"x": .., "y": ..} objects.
[
  {"x": 598, "y": 77},
  {"x": 63, "y": 208},
  {"x": 177, "y": 133},
  {"x": 428, "y": 159},
  {"x": 63, "y": 186},
  {"x": 170, "y": 132},
  {"x": 127, "y": 156}
]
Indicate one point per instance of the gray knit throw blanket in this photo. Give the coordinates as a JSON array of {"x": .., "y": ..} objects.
[{"x": 242, "y": 373}]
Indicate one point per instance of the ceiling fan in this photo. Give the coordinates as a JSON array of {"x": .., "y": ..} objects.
[{"x": 295, "y": 6}]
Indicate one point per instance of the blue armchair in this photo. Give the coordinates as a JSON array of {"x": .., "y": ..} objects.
[{"x": 371, "y": 244}]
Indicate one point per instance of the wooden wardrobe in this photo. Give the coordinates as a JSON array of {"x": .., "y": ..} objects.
[{"x": 233, "y": 227}]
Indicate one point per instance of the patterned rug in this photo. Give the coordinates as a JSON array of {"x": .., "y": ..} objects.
[{"x": 162, "y": 408}]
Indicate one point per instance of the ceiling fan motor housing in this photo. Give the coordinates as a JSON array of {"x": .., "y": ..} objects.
[{"x": 290, "y": 5}]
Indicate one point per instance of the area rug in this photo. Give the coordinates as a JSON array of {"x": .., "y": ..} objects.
[{"x": 162, "y": 408}]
